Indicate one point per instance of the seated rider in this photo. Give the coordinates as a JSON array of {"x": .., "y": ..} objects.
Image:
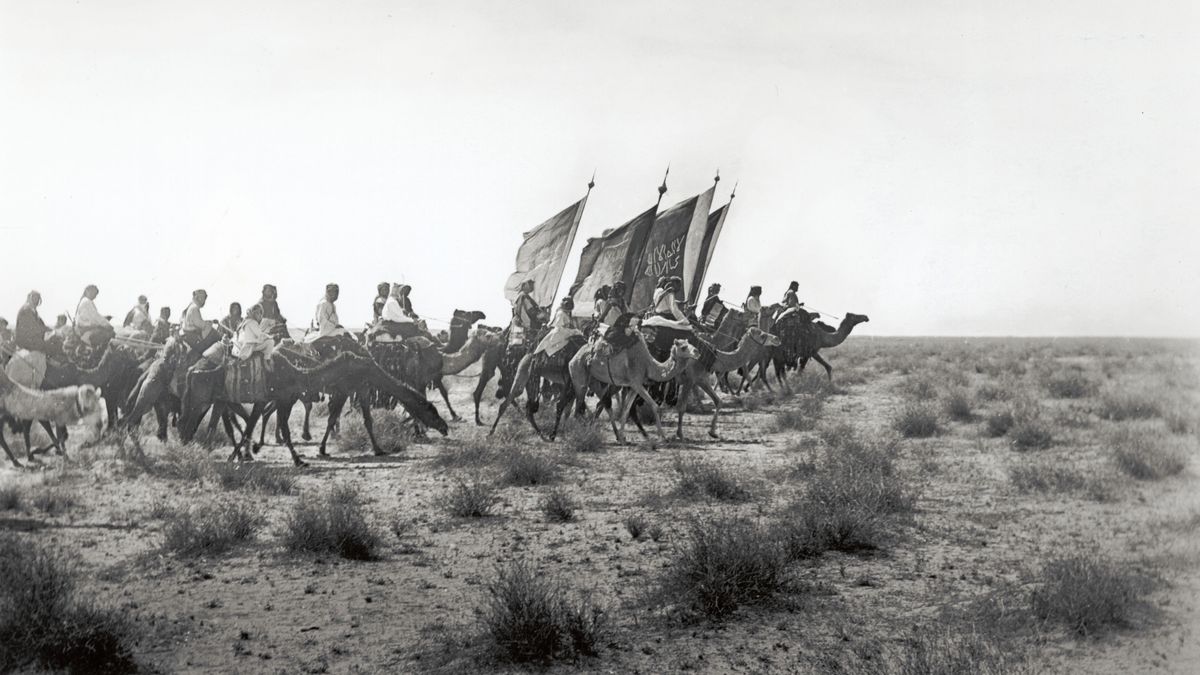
[
  {"x": 791, "y": 302},
  {"x": 562, "y": 328},
  {"x": 394, "y": 320},
  {"x": 272, "y": 321},
  {"x": 197, "y": 333},
  {"x": 382, "y": 291},
  {"x": 138, "y": 318},
  {"x": 600, "y": 303},
  {"x": 713, "y": 310},
  {"x": 616, "y": 305},
  {"x": 525, "y": 321},
  {"x": 30, "y": 331},
  {"x": 229, "y": 325},
  {"x": 253, "y": 339},
  {"x": 406, "y": 302},
  {"x": 93, "y": 328},
  {"x": 753, "y": 307},
  {"x": 162, "y": 326},
  {"x": 326, "y": 330},
  {"x": 666, "y": 303}
]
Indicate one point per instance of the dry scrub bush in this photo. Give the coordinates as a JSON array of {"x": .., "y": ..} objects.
[
  {"x": 530, "y": 618},
  {"x": 272, "y": 480},
  {"x": 1089, "y": 593},
  {"x": 473, "y": 499},
  {"x": 803, "y": 418},
  {"x": 210, "y": 529},
  {"x": 1148, "y": 454},
  {"x": 635, "y": 525},
  {"x": 525, "y": 467},
  {"x": 957, "y": 405},
  {"x": 999, "y": 423},
  {"x": 391, "y": 430},
  {"x": 1182, "y": 419},
  {"x": 1049, "y": 477},
  {"x": 331, "y": 523},
  {"x": 944, "y": 649},
  {"x": 47, "y": 623},
  {"x": 583, "y": 435},
  {"x": 1069, "y": 383},
  {"x": 700, "y": 478},
  {"x": 1029, "y": 431},
  {"x": 994, "y": 392},
  {"x": 724, "y": 563},
  {"x": 1122, "y": 405},
  {"x": 559, "y": 506},
  {"x": 916, "y": 420},
  {"x": 855, "y": 501}
]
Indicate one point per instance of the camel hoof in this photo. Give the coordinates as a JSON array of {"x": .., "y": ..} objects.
[
  {"x": 299, "y": 462},
  {"x": 381, "y": 453},
  {"x": 713, "y": 434},
  {"x": 306, "y": 436},
  {"x": 322, "y": 452}
]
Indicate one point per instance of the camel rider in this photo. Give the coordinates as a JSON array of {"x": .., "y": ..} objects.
[
  {"x": 525, "y": 315},
  {"x": 93, "y": 328},
  {"x": 325, "y": 323},
  {"x": 394, "y": 320},
  {"x": 383, "y": 291},
  {"x": 138, "y": 318},
  {"x": 272, "y": 320},
  {"x": 229, "y": 325},
  {"x": 197, "y": 333},
  {"x": 666, "y": 304},
  {"x": 31, "y": 331},
  {"x": 406, "y": 302},
  {"x": 600, "y": 303},
  {"x": 6, "y": 340},
  {"x": 562, "y": 328},
  {"x": 253, "y": 338},
  {"x": 713, "y": 310},
  {"x": 753, "y": 307},
  {"x": 162, "y": 326},
  {"x": 616, "y": 305},
  {"x": 791, "y": 302}
]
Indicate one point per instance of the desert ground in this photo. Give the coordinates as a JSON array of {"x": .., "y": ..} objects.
[{"x": 943, "y": 506}]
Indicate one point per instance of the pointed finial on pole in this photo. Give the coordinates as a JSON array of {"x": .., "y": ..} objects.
[
  {"x": 592, "y": 182},
  {"x": 662, "y": 189},
  {"x": 717, "y": 178},
  {"x": 734, "y": 193}
]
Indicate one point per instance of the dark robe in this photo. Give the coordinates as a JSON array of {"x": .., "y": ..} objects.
[{"x": 30, "y": 330}]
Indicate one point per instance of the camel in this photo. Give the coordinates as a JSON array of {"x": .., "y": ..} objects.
[
  {"x": 476, "y": 345},
  {"x": 631, "y": 369},
  {"x": 506, "y": 357},
  {"x": 460, "y": 329},
  {"x": 430, "y": 364},
  {"x": 345, "y": 374},
  {"x": 53, "y": 408},
  {"x": 531, "y": 371},
  {"x": 802, "y": 340},
  {"x": 751, "y": 348}
]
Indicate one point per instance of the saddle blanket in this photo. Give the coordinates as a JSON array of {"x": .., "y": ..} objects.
[
  {"x": 27, "y": 368},
  {"x": 246, "y": 380},
  {"x": 658, "y": 321}
]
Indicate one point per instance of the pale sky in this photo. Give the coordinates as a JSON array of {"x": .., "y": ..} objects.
[{"x": 952, "y": 168}]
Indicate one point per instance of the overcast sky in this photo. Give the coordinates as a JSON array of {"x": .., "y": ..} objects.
[{"x": 957, "y": 168}]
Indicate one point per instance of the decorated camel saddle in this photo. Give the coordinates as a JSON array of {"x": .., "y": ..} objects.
[
  {"x": 27, "y": 368},
  {"x": 246, "y": 379}
]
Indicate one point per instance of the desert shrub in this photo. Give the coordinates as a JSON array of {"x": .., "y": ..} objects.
[
  {"x": 473, "y": 499},
  {"x": 802, "y": 418},
  {"x": 1124, "y": 405},
  {"x": 1046, "y": 477},
  {"x": 583, "y": 435},
  {"x": 1182, "y": 420},
  {"x": 723, "y": 564},
  {"x": 1069, "y": 383},
  {"x": 855, "y": 501},
  {"x": 210, "y": 529},
  {"x": 944, "y": 650},
  {"x": 999, "y": 423},
  {"x": 916, "y": 420},
  {"x": 993, "y": 392},
  {"x": 51, "y": 499},
  {"x": 188, "y": 463},
  {"x": 922, "y": 388},
  {"x": 331, "y": 523},
  {"x": 1147, "y": 455},
  {"x": 526, "y": 467},
  {"x": 818, "y": 387},
  {"x": 473, "y": 452},
  {"x": 957, "y": 405},
  {"x": 1029, "y": 431},
  {"x": 698, "y": 478},
  {"x": 1089, "y": 593},
  {"x": 635, "y": 525},
  {"x": 529, "y": 617},
  {"x": 11, "y": 497},
  {"x": 253, "y": 476},
  {"x": 393, "y": 433},
  {"x": 559, "y": 506},
  {"x": 47, "y": 623}
]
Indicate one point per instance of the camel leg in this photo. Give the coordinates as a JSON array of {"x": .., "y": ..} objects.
[
  {"x": 564, "y": 403},
  {"x": 640, "y": 390},
  {"x": 626, "y": 403},
  {"x": 828, "y": 368},
  {"x": 227, "y": 421},
  {"x": 306, "y": 433},
  {"x": 60, "y": 439},
  {"x": 8, "y": 451},
  {"x": 160, "y": 413},
  {"x": 500, "y": 413},
  {"x": 283, "y": 412},
  {"x": 707, "y": 388},
  {"x": 335, "y": 411},
  {"x": 365, "y": 406},
  {"x": 26, "y": 427},
  {"x": 532, "y": 399},
  {"x": 248, "y": 437},
  {"x": 441, "y": 387}
]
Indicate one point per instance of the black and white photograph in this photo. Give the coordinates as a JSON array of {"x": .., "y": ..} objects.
[{"x": 550, "y": 336}]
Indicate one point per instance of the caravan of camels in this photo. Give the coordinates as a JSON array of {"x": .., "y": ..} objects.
[{"x": 632, "y": 329}]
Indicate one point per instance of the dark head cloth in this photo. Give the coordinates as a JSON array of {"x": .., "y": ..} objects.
[
  {"x": 198, "y": 291},
  {"x": 754, "y": 290},
  {"x": 331, "y": 287},
  {"x": 268, "y": 287}
]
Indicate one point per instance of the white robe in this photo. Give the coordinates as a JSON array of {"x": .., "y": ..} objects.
[
  {"x": 393, "y": 312},
  {"x": 562, "y": 329},
  {"x": 87, "y": 316},
  {"x": 251, "y": 338},
  {"x": 325, "y": 323}
]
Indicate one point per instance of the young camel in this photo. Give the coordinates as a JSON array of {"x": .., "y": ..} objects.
[
  {"x": 630, "y": 369},
  {"x": 752, "y": 348},
  {"x": 53, "y": 408}
]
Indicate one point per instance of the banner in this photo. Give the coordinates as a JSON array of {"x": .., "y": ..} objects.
[
  {"x": 667, "y": 248},
  {"x": 712, "y": 231},
  {"x": 543, "y": 255},
  {"x": 610, "y": 258}
]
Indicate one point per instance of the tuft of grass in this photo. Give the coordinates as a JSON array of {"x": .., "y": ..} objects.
[
  {"x": 473, "y": 499},
  {"x": 1089, "y": 593},
  {"x": 1181, "y": 420},
  {"x": 1071, "y": 383},
  {"x": 12, "y": 496},
  {"x": 253, "y": 476},
  {"x": 559, "y": 506},
  {"x": 635, "y": 525},
  {"x": 916, "y": 420},
  {"x": 583, "y": 436},
  {"x": 474, "y": 452},
  {"x": 391, "y": 430},
  {"x": 334, "y": 522},
  {"x": 855, "y": 502},
  {"x": 945, "y": 649},
  {"x": 1148, "y": 455},
  {"x": 999, "y": 423},
  {"x": 957, "y": 405},
  {"x": 803, "y": 418},
  {"x": 210, "y": 529},
  {"x": 530, "y": 618},
  {"x": 1122, "y": 405},
  {"x": 189, "y": 463},
  {"x": 724, "y": 564},
  {"x": 1050, "y": 477},
  {"x": 1030, "y": 431},
  {"x": 48, "y": 623},
  {"x": 525, "y": 467},
  {"x": 698, "y": 478}
]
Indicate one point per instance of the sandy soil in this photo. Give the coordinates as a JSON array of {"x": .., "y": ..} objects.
[{"x": 260, "y": 609}]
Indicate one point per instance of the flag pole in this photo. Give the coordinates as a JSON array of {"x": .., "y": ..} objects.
[{"x": 662, "y": 189}]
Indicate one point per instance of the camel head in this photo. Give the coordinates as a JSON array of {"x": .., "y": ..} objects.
[
  {"x": 855, "y": 319},
  {"x": 469, "y": 317},
  {"x": 486, "y": 336},
  {"x": 87, "y": 401},
  {"x": 762, "y": 337},
  {"x": 682, "y": 349}
]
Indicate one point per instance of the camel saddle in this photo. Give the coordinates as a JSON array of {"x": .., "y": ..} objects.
[
  {"x": 246, "y": 379},
  {"x": 27, "y": 368}
]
